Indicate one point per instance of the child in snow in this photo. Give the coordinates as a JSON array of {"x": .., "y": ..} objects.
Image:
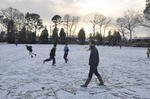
[
  {"x": 120, "y": 45},
  {"x": 66, "y": 50},
  {"x": 148, "y": 52},
  {"x": 29, "y": 48},
  {"x": 52, "y": 55},
  {"x": 16, "y": 42}
]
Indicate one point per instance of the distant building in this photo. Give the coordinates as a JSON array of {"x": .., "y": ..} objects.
[
  {"x": 141, "y": 39},
  {"x": 141, "y": 42}
]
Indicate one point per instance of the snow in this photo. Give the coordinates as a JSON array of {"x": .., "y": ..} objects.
[{"x": 126, "y": 73}]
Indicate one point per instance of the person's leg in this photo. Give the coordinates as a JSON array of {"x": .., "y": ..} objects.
[
  {"x": 54, "y": 61},
  {"x": 99, "y": 77},
  {"x": 31, "y": 54},
  {"x": 31, "y": 51},
  {"x": 91, "y": 71},
  {"x": 96, "y": 72},
  {"x": 46, "y": 60},
  {"x": 34, "y": 54},
  {"x": 65, "y": 57},
  {"x": 148, "y": 55}
]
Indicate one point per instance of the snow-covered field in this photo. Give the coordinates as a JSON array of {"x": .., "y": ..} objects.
[{"x": 126, "y": 73}]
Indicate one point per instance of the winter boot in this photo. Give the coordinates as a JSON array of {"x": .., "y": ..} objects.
[
  {"x": 43, "y": 61},
  {"x": 35, "y": 54},
  {"x": 66, "y": 60},
  {"x": 31, "y": 56},
  {"x": 87, "y": 82},
  {"x": 100, "y": 80}
]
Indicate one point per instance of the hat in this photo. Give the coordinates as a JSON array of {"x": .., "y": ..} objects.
[{"x": 55, "y": 45}]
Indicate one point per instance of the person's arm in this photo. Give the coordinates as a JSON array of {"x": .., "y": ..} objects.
[
  {"x": 67, "y": 49},
  {"x": 94, "y": 58},
  {"x": 54, "y": 52}
]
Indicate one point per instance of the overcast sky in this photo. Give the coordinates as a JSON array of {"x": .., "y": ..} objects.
[{"x": 48, "y": 8}]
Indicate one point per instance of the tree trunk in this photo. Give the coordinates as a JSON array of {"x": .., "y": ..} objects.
[
  {"x": 104, "y": 31},
  {"x": 123, "y": 41},
  {"x": 94, "y": 31},
  {"x": 67, "y": 29},
  {"x": 130, "y": 38}
]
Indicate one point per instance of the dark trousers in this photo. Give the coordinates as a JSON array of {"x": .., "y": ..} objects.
[
  {"x": 65, "y": 57},
  {"x": 148, "y": 55},
  {"x": 49, "y": 59},
  {"x": 93, "y": 69}
]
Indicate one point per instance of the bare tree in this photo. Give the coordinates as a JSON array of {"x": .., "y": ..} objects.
[
  {"x": 15, "y": 15},
  {"x": 20, "y": 20},
  {"x": 93, "y": 19},
  {"x": 129, "y": 21},
  {"x": 66, "y": 20},
  {"x": 70, "y": 23},
  {"x": 101, "y": 23},
  {"x": 34, "y": 22},
  {"x": 73, "y": 24},
  {"x": 106, "y": 24},
  {"x": 120, "y": 26},
  {"x": 143, "y": 20}
]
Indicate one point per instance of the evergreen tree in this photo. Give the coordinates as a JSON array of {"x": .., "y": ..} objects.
[
  {"x": 44, "y": 36},
  {"x": 55, "y": 36},
  {"x": 56, "y": 20},
  {"x": 90, "y": 36},
  {"x": 99, "y": 38},
  {"x": 10, "y": 32},
  {"x": 62, "y": 36},
  {"x": 109, "y": 33},
  {"x": 22, "y": 35},
  {"x": 115, "y": 38},
  {"x": 81, "y": 36},
  {"x": 2, "y": 38},
  {"x": 31, "y": 37}
]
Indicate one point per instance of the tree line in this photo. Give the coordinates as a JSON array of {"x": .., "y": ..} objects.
[{"x": 25, "y": 27}]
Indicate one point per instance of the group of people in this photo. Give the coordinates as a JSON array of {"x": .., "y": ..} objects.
[
  {"x": 93, "y": 60},
  {"x": 52, "y": 53}
]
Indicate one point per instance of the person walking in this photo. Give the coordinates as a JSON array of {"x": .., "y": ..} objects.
[
  {"x": 120, "y": 45},
  {"x": 93, "y": 62},
  {"x": 148, "y": 52},
  {"x": 16, "y": 42},
  {"x": 66, "y": 50},
  {"x": 29, "y": 48},
  {"x": 52, "y": 55}
]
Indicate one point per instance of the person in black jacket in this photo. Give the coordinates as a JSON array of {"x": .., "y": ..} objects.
[
  {"x": 52, "y": 55},
  {"x": 93, "y": 62},
  {"x": 66, "y": 50},
  {"x": 29, "y": 48}
]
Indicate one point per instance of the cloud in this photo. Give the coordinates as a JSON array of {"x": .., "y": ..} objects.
[{"x": 48, "y": 8}]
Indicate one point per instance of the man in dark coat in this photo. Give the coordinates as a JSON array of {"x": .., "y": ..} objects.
[
  {"x": 29, "y": 48},
  {"x": 52, "y": 55},
  {"x": 93, "y": 62},
  {"x": 66, "y": 50}
]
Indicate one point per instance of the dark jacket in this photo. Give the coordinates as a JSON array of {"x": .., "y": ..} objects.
[
  {"x": 52, "y": 52},
  {"x": 29, "y": 48},
  {"x": 94, "y": 57},
  {"x": 66, "y": 49}
]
